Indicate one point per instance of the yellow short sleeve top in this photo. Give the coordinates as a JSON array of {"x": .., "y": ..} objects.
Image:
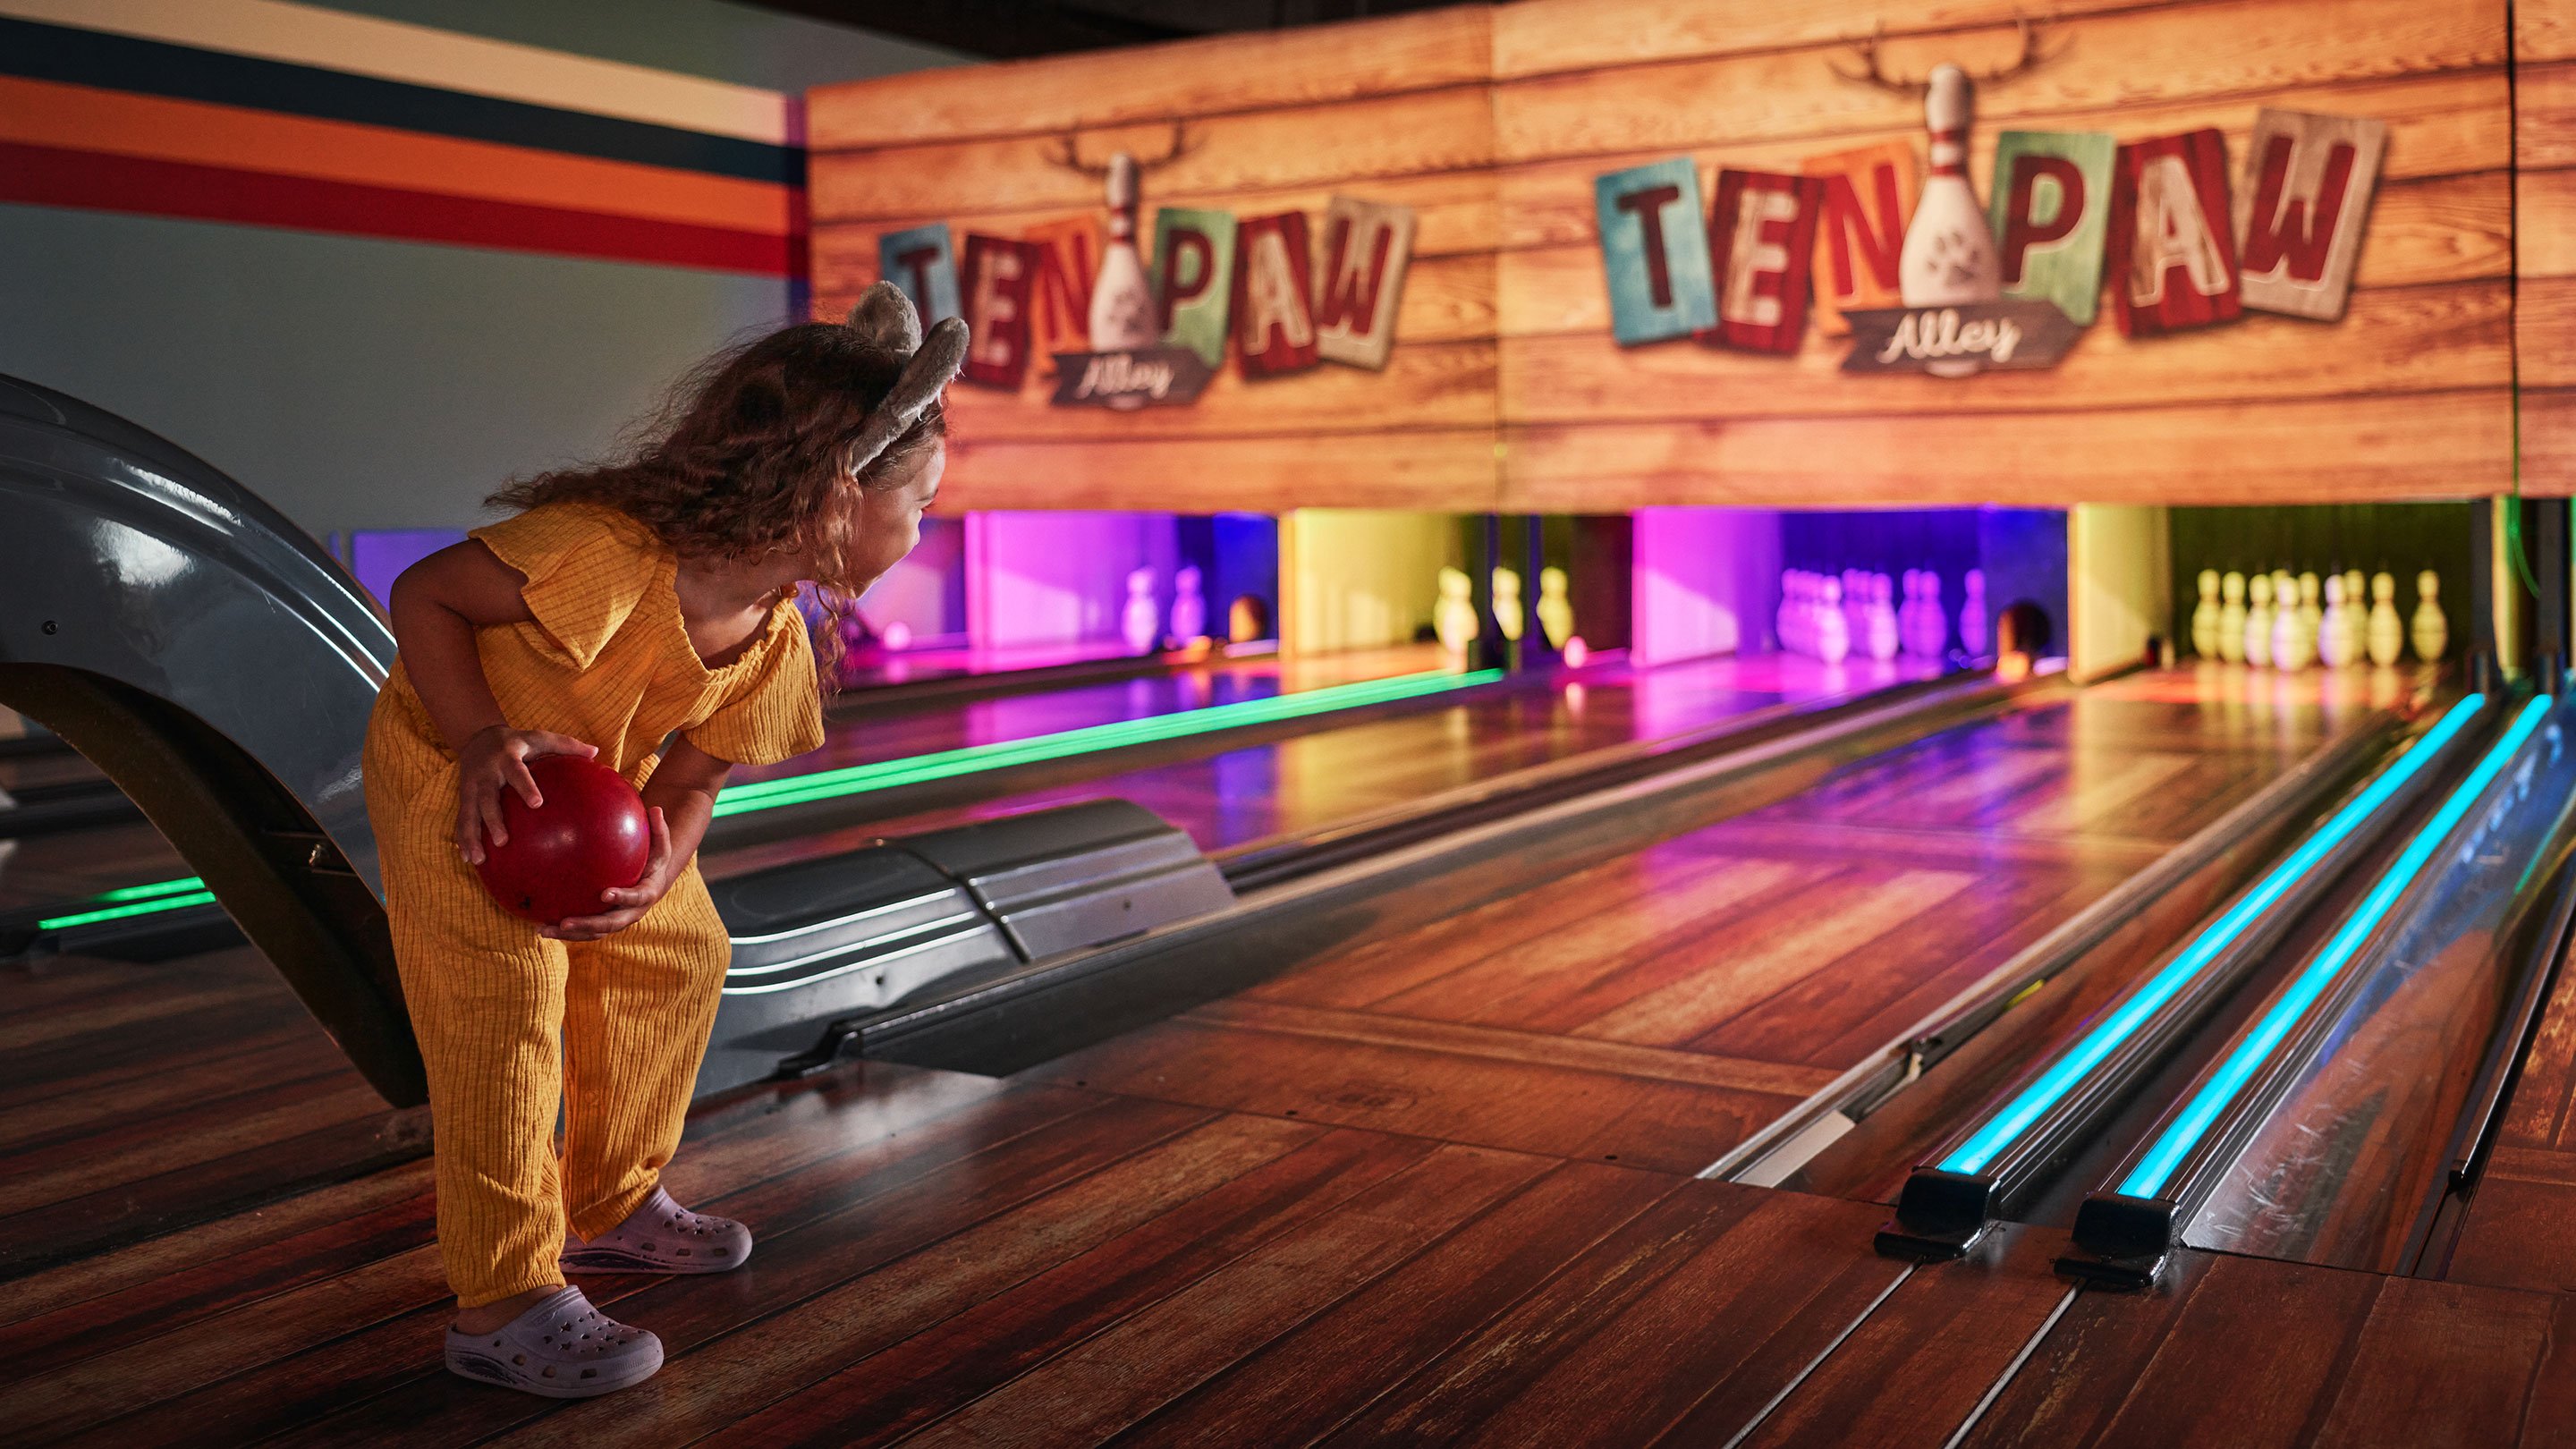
[{"x": 606, "y": 656}]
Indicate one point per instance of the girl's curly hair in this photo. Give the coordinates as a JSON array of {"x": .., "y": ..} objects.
[{"x": 745, "y": 458}]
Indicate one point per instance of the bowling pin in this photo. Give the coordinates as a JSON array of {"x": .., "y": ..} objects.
[
  {"x": 2334, "y": 633},
  {"x": 2432, "y": 631},
  {"x": 1507, "y": 603},
  {"x": 2204, "y": 617},
  {"x": 1973, "y": 617},
  {"x": 1783, "y": 630},
  {"x": 2294, "y": 645},
  {"x": 2259, "y": 621},
  {"x": 2387, "y": 631},
  {"x": 2312, "y": 613},
  {"x": 1555, "y": 610},
  {"x": 1884, "y": 635},
  {"x": 1453, "y": 618},
  {"x": 2356, "y": 616},
  {"x": 2231, "y": 617},
  {"x": 1189, "y": 606},
  {"x": 1949, "y": 253},
  {"x": 1833, "y": 636},
  {"x": 1142, "y": 624},
  {"x": 1936, "y": 619}
]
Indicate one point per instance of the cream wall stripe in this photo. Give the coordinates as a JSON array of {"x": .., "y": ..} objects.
[{"x": 420, "y": 55}]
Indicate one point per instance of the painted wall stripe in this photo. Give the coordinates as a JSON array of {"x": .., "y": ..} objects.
[
  {"x": 61, "y": 176},
  {"x": 394, "y": 50},
  {"x": 83, "y": 118},
  {"x": 118, "y": 62}
]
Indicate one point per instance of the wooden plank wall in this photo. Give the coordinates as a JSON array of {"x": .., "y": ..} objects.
[
  {"x": 2544, "y": 42},
  {"x": 1492, "y": 122}
]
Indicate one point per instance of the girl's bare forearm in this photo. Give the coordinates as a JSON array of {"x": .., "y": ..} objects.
[
  {"x": 437, "y": 645},
  {"x": 686, "y": 810}
]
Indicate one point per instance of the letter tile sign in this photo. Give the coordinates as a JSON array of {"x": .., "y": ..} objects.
[
  {"x": 1655, "y": 252},
  {"x": 998, "y": 274},
  {"x": 1359, "y": 279},
  {"x": 1762, "y": 238},
  {"x": 1274, "y": 313},
  {"x": 2172, "y": 255},
  {"x": 1194, "y": 277},
  {"x": 2302, "y": 207},
  {"x": 1869, "y": 195},
  {"x": 2052, "y": 214},
  {"x": 921, "y": 261}
]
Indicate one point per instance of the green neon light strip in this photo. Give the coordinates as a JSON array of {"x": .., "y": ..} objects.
[
  {"x": 119, "y": 913},
  {"x": 973, "y": 759},
  {"x": 181, "y": 894}
]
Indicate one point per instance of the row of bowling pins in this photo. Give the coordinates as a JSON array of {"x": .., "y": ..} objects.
[
  {"x": 1453, "y": 617},
  {"x": 1832, "y": 618},
  {"x": 1140, "y": 625},
  {"x": 2283, "y": 621}
]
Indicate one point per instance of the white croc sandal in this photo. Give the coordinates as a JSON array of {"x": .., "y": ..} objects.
[
  {"x": 662, "y": 1237},
  {"x": 562, "y": 1348}
]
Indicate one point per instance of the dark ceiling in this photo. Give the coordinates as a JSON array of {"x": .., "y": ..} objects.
[{"x": 1009, "y": 29}]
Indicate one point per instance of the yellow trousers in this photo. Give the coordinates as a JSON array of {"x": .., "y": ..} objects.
[{"x": 512, "y": 1024}]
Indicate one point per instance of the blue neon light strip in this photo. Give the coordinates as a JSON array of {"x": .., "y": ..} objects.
[
  {"x": 2152, "y": 1171},
  {"x": 2007, "y": 1126}
]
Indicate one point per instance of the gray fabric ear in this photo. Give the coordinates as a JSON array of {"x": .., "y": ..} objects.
[
  {"x": 884, "y": 316},
  {"x": 935, "y": 362}
]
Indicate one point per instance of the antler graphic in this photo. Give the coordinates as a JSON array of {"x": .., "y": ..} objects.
[
  {"x": 1066, "y": 151},
  {"x": 2031, "y": 56}
]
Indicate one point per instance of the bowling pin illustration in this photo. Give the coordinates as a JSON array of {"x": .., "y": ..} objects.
[
  {"x": 2231, "y": 617},
  {"x": 1453, "y": 617},
  {"x": 1883, "y": 639},
  {"x": 1948, "y": 258},
  {"x": 2334, "y": 636},
  {"x": 1189, "y": 606},
  {"x": 1507, "y": 603},
  {"x": 2259, "y": 621},
  {"x": 1973, "y": 617},
  {"x": 1123, "y": 315},
  {"x": 1833, "y": 635},
  {"x": 1141, "y": 626},
  {"x": 2204, "y": 617},
  {"x": 2431, "y": 631},
  {"x": 1555, "y": 610},
  {"x": 2387, "y": 631}
]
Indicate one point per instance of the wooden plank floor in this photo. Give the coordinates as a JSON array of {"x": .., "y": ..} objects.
[{"x": 1305, "y": 1215}]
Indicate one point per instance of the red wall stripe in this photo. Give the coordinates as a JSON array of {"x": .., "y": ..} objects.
[{"x": 57, "y": 176}]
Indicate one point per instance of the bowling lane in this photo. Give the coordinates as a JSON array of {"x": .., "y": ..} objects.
[{"x": 1658, "y": 1007}]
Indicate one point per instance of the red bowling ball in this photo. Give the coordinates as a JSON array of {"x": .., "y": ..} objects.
[{"x": 590, "y": 835}]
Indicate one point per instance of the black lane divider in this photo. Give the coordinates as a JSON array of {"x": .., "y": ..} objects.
[{"x": 2130, "y": 1224}]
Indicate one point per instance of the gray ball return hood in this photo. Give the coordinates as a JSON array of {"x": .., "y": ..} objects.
[{"x": 219, "y": 667}]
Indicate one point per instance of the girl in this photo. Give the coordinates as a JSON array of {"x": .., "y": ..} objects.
[{"x": 624, "y": 605}]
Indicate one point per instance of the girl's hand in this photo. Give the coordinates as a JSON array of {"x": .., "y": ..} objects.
[
  {"x": 496, "y": 759},
  {"x": 627, "y": 906}
]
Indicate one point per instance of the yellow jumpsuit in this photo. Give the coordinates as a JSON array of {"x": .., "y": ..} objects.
[{"x": 510, "y": 1023}]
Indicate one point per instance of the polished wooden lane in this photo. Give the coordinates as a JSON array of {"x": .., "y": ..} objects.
[
  {"x": 2520, "y": 1230},
  {"x": 1657, "y": 1008},
  {"x": 136, "y": 1098}
]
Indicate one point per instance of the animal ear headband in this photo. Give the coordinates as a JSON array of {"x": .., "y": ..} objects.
[{"x": 885, "y": 317}]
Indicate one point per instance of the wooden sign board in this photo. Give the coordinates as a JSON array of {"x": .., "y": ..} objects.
[
  {"x": 1762, "y": 239},
  {"x": 924, "y": 264},
  {"x": 1359, "y": 279},
  {"x": 2172, "y": 257},
  {"x": 1860, "y": 231},
  {"x": 1194, "y": 278},
  {"x": 1654, "y": 252},
  {"x": 2052, "y": 216},
  {"x": 1274, "y": 308},
  {"x": 2302, "y": 208},
  {"x": 1955, "y": 341},
  {"x": 1140, "y": 377},
  {"x": 1060, "y": 293},
  {"x": 997, "y": 274}
]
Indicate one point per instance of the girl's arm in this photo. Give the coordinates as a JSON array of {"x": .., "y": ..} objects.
[
  {"x": 680, "y": 799},
  {"x": 437, "y": 605}
]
